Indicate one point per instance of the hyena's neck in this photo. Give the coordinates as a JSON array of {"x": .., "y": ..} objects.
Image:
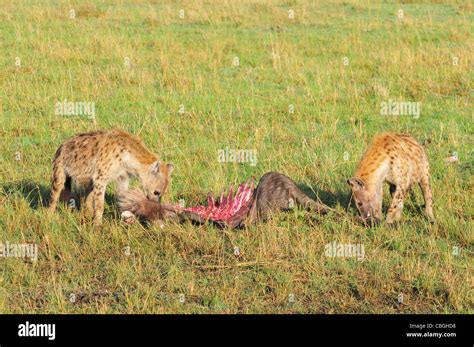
[
  {"x": 136, "y": 157},
  {"x": 135, "y": 167},
  {"x": 373, "y": 176}
]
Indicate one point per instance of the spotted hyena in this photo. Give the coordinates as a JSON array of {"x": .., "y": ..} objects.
[
  {"x": 401, "y": 161},
  {"x": 96, "y": 158}
]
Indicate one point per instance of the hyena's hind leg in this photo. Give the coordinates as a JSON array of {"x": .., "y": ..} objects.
[
  {"x": 58, "y": 183},
  {"x": 98, "y": 198},
  {"x": 427, "y": 195}
]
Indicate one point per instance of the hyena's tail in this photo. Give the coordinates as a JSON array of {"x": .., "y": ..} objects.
[
  {"x": 59, "y": 180},
  {"x": 309, "y": 204}
]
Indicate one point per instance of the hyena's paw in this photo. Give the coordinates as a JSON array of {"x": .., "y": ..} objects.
[
  {"x": 394, "y": 215},
  {"x": 392, "y": 219},
  {"x": 97, "y": 222},
  {"x": 389, "y": 220}
]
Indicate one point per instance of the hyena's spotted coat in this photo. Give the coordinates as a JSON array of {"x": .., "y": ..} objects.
[
  {"x": 401, "y": 161},
  {"x": 94, "y": 159}
]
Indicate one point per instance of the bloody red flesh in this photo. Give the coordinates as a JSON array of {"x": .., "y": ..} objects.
[{"x": 228, "y": 208}]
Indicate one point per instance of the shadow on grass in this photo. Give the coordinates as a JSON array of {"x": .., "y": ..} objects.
[
  {"x": 329, "y": 198},
  {"x": 38, "y": 195}
]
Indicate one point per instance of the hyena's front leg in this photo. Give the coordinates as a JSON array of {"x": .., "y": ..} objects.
[
  {"x": 426, "y": 189},
  {"x": 98, "y": 196},
  {"x": 378, "y": 205},
  {"x": 395, "y": 210}
]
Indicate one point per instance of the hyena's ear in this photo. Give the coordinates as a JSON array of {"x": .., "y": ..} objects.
[
  {"x": 356, "y": 183},
  {"x": 170, "y": 168},
  {"x": 155, "y": 167}
]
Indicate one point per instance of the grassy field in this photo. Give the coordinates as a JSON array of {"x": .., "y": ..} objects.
[{"x": 300, "y": 82}]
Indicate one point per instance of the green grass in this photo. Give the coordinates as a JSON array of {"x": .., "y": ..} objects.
[{"x": 282, "y": 61}]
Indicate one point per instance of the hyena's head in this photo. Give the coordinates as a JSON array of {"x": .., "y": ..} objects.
[
  {"x": 364, "y": 200},
  {"x": 156, "y": 180}
]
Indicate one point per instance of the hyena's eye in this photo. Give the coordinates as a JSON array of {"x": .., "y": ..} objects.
[
  {"x": 157, "y": 193},
  {"x": 359, "y": 204}
]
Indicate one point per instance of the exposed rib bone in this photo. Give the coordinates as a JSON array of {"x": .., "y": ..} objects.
[{"x": 229, "y": 208}]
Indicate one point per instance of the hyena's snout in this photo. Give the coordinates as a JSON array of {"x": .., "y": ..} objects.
[
  {"x": 370, "y": 218},
  {"x": 371, "y": 221}
]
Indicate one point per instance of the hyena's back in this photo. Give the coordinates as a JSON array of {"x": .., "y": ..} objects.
[
  {"x": 91, "y": 155},
  {"x": 401, "y": 157}
]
